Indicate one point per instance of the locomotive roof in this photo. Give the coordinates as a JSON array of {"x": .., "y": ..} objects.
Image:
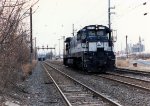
[{"x": 91, "y": 27}]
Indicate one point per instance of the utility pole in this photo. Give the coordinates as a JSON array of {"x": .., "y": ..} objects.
[
  {"x": 127, "y": 45},
  {"x": 62, "y": 38},
  {"x": 55, "y": 50},
  {"x": 64, "y": 45},
  {"x": 59, "y": 48},
  {"x": 109, "y": 14},
  {"x": 35, "y": 49},
  {"x": 73, "y": 29},
  {"x": 140, "y": 43},
  {"x": 31, "y": 47}
]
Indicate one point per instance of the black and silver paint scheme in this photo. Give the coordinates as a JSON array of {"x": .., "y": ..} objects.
[{"x": 91, "y": 49}]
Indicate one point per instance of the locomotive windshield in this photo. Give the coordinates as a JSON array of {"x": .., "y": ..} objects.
[
  {"x": 103, "y": 35},
  {"x": 96, "y": 33},
  {"x": 100, "y": 33},
  {"x": 92, "y": 33}
]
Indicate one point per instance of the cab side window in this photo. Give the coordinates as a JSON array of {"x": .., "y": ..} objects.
[
  {"x": 78, "y": 36},
  {"x": 67, "y": 46}
]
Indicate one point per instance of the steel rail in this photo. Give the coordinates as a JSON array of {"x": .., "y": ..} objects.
[
  {"x": 115, "y": 74},
  {"x": 63, "y": 95},
  {"x": 126, "y": 83},
  {"x": 130, "y": 84},
  {"x": 90, "y": 89},
  {"x": 132, "y": 71}
]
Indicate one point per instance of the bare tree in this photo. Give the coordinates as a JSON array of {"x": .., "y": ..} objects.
[{"x": 14, "y": 48}]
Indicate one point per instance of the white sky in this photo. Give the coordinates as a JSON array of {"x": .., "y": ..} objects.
[{"x": 54, "y": 18}]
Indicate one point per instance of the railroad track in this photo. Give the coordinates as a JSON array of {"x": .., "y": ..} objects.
[
  {"x": 122, "y": 70},
  {"x": 129, "y": 77},
  {"x": 76, "y": 93},
  {"x": 127, "y": 80},
  {"x": 141, "y": 74}
]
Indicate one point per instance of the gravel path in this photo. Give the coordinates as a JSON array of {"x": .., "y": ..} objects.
[{"x": 41, "y": 89}]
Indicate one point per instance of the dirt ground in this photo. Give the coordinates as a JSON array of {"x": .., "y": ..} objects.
[
  {"x": 131, "y": 64},
  {"x": 15, "y": 94}
]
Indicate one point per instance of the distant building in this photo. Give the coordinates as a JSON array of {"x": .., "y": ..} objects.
[{"x": 139, "y": 47}]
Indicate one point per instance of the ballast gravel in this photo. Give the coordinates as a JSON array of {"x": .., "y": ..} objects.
[
  {"x": 41, "y": 89},
  {"x": 123, "y": 94}
]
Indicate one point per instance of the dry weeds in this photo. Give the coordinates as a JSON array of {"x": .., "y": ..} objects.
[
  {"x": 28, "y": 68},
  {"x": 126, "y": 63},
  {"x": 122, "y": 63}
]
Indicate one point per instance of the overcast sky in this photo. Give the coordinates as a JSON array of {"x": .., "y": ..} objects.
[{"x": 54, "y": 18}]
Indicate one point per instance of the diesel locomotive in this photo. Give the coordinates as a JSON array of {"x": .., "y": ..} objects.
[{"x": 91, "y": 49}]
